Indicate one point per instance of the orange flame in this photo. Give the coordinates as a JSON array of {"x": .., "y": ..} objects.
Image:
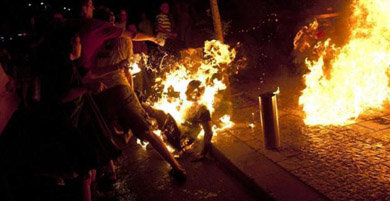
[
  {"x": 347, "y": 81},
  {"x": 215, "y": 55}
]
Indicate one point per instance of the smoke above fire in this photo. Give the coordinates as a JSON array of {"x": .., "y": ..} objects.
[{"x": 347, "y": 81}]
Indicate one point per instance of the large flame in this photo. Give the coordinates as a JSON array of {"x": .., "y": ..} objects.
[
  {"x": 347, "y": 81},
  {"x": 207, "y": 70}
]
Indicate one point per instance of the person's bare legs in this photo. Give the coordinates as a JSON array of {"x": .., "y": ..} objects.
[
  {"x": 133, "y": 117},
  {"x": 160, "y": 147}
]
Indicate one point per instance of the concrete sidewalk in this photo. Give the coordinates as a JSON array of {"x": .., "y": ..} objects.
[
  {"x": 314, "y": 163},
  {"x": 258, "y": 172}
]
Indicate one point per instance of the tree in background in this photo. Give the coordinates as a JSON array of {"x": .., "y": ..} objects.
[{"x": 216, "y": 20}]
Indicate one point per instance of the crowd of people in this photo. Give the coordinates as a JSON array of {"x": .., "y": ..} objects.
[{"x": 76, "y": 93}]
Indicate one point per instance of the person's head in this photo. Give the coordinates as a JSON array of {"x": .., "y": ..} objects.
[
  {"x": 132, "y": 28},
  {"x": 58, "y": 17},
  {"x": 112, "y": 18},
  {"x": 76, "y": 48},
  {"x": 66, "y": 41},
  {"x": 195, "y": 90},
  {"x": 164, "y": 7},
  {"x": 185, "y": 7},
  {"x": 143, "y": 16},
  {"x": 69, "y": 42},
  {"x": 87, "y": 8},
  {"x": 32, "y": 21},
  {"x": 104, "y": 14},
  {"x": 123, "y": 15}
]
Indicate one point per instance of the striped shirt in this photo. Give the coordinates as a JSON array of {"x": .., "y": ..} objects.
[{"x": 163, "y": 21}]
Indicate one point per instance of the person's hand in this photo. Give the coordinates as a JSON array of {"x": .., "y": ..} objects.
[{"x": 158, "y": 41}]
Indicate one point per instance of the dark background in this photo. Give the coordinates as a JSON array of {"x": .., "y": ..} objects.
[
  {"x": 265, "y": 28},
  {"x": 14, "y": 14}
]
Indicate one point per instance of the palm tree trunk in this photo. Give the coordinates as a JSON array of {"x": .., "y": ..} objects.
[
  {"x": 216, "y": 20},
  {"x": 226, "y": 105}
]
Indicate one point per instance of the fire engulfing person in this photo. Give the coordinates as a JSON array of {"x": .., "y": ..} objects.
[
  {"x": 188, "y": 93},
  {"x": 181, "y": 136}
]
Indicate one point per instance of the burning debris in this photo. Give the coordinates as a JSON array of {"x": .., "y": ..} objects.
[{"x": 349, "y": 80}]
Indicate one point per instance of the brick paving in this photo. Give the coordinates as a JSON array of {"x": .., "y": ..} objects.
[{"x": 343, "y": 163}]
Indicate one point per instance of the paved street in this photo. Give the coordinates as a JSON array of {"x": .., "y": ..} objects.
[
  {"x": 343, "y": 163},
  {"x": 143, "y": 175}
]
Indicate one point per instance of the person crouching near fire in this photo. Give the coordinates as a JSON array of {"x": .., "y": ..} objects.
[{"x": 197, "y": 117}]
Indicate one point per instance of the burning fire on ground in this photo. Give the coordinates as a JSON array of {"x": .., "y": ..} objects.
[
  {"x": 350, "y": 80},
  {"x": 209, "y": 68}
]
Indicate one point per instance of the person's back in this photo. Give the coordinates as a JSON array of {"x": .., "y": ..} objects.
[
  {"x": 93, "y": 34},
  {"x": 112, "y": 52}
]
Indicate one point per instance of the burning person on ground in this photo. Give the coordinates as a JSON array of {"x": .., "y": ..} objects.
[
  {"x": 199, "y": 117},
  {"x": 196, "y": 118}
]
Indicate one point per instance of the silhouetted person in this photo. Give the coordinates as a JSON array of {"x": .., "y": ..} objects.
[
  {"x": 138, "y": 46},
  {"x": 164, "y": 24},
  {"x": 145, "y": 25},
  {"x": 184, "y": 23},
  {"x": 122, "y": 19}
]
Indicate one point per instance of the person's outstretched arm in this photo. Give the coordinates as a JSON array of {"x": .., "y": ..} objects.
[{"x": 144, "y": 37}]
